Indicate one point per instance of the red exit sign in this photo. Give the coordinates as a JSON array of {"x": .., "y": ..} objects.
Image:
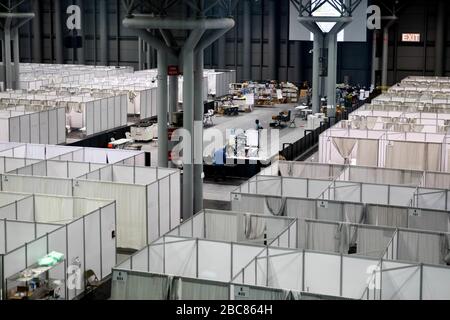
[
  {"x": 173, "y": 71},
  {"x": 411, "y": 37}
]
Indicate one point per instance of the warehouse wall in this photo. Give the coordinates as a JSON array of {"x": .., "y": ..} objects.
[
  {"x": 292, "y": 58},
  {"x": 416, "y": 58}
]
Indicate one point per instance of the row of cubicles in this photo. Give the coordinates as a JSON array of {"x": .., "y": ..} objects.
[{"x": 81, "y": 202}]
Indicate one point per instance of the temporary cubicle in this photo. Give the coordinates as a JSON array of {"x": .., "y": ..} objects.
[
  {"x": 148, "y": 200},
  {"x": 414, "y": 151},
  {"x": 195, "y": 269},
  {"x": 83, "y": 221},
  {"x": 47, "y": 126},
  {"x": 239, "y": 227},
  {"x": 346, "y": 276}
]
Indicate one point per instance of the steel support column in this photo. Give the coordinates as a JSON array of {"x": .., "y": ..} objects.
[
  {"x": 59, "y": 48},
  {"x": 37, "y": 32},
  {"x": 173, "y": 96},
  {"x": 198, "y": 131},
  {"x": 140, "y": 54},
  {"x": 247, "y": 41},
  {"x": 80, "y": 51},
  {"x": 163, "y": 150},
  {"x": 375, "y": 60},
  {"x": 7, "y": 61},
  {"x": 440, "y": 40},
  {"x": 331, "y": 79},
  {"x": 384, "y": 81},
  {"x": 188, "y": 120},
  {"x": 273, "y": 39},
  {"x": 317, "y": 48},
  {"x": 103, "y": 30},
  {"x": 16, "y": 58}
]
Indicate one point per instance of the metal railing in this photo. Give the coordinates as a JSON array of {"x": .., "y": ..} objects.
[{"x": 305, "y": 147}]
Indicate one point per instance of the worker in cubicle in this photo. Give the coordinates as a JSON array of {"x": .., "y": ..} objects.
[{"x": 219, "y": 164}]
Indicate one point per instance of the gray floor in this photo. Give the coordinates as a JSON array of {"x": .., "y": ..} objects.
[{"x": 246, "y": 121}]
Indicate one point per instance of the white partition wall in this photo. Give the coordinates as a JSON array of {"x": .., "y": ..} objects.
[
  {"x": 71, "y": 240},
  {"x": 47, "y": 126},
  {"x": 239, "y": 227},
  {"x": 148, "y": 200}
]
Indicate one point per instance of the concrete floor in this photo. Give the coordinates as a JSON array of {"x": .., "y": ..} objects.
[{"x": 246, "y": 121}]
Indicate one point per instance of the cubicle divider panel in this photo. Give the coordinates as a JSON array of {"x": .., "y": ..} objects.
[
  {"x": 53, "y": 127},
  {"x": 294, "y": 187},
  {"x": 14, "y": 262},
  {"x": 36, "y": 250},
  {"x": 421, "y": 246},
  {"x": 57, "y": 241},
  {"x": 105, "y": 103},
  {"x": 131, "y": 202},
  {"x": 435, "y": 280},
  {"x": 285, "y": 269},
  {"x": 4, "y": 131},
  {"x": 116, "y": 112},
  {"x": 144, "y": 109},
  {"x": 9, "y": 212},
  {"x": 322, "y": 273},
  {"x": 35, "y": 128},
  {"x": 214, "y": 260},
  {"x": 2, "y": 239},
  {"x": 89, "y": 118},
  {"x": 75, "y": 257},
  {"x": 1, "y": 275},
  {"x": 25, "y": 210},
  {"x": 165, "y": 215},
  {"x": 375, "y": 194},
  {"x": 112, "y": 101},
  {"x": 401, "y": 196},
  {"x": 61, "y": 115},
  {"x": 92, "y": 237},
  {"x": 14, "y": 129},
  {"x": 97, "y": 116},
  {"x": 154, "y": 102},
  {"x": 108, "y": 224},
  {"x": 356, "y": 275},
  {"x": 140, "y": 260},
  {"x": 180, "y": 257},
  {"x": 44, "y": 123},
  {"x": 400, "y": 281},
  {"x": 18, "y": 233},
  {"x": 431, "y": 199},
  {"x": 37, "y": 185}
]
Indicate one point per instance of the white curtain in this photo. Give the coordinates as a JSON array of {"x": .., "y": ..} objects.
[
  {"x": 433, "y": 153},
  {"x": 254, "y": 227},
  {"x": 437, "y": 180},
  {"x": 415, "y": 156},
  {"x": 354, "y": 213},
  {"x": 372, "y": 242},
  {"x": 323, "y": 237},
  {"x": 303, "y": 209},
  {"x": 367, "y": 153},
  {"x": 203, "y": 290},
  {"x": 276, "y": 206},
  {"x": 141, "y": 287},
  {"x": 387, "y": 216},
  {"x": 221, "y": 227},
  {"x": 420, "y": 247},
  {"x": 430, "y": 220},
  {"x": 345, "y": 147}
]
